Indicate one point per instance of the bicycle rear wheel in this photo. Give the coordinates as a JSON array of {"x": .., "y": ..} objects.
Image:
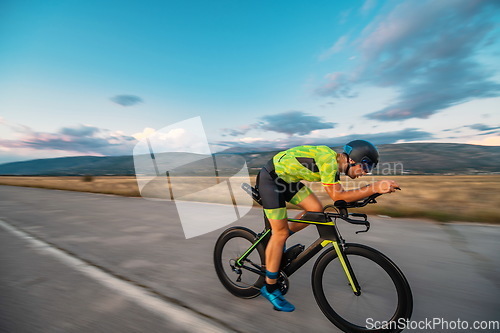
[
  {"x": 230, "y": 246},
  {"x": 385, "y": 298}
]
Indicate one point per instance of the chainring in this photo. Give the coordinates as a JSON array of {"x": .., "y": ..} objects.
[{"x": 283, "y": 283}]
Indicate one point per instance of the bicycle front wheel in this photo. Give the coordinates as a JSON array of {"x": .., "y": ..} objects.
[
  {"x": 230, "y": 246},
  {"x": 385, "y": 301}
]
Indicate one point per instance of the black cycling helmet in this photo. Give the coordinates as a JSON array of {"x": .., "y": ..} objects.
[{"x": 362, "y": 152}]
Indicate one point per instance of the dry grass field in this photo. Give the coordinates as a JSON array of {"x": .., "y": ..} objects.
[{"x": 441, "y": 198}]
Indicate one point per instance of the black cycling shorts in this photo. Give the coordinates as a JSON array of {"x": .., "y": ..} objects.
[{"x": 275, "y": 192}]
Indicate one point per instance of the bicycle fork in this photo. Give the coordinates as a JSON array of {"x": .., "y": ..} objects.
[{"x": 346, "y": 266}]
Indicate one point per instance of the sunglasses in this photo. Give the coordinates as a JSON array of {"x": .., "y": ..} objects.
[{"x": 367, "y": 165}]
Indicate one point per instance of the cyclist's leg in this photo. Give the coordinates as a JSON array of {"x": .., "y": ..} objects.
[
  {"x": 308, "y": 201},
  {"x": 274, "y": 249},
  {"x": 272, "y": 191}
]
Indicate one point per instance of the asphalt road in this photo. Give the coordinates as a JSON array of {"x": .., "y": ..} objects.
[{"x": 453, "y": 269}]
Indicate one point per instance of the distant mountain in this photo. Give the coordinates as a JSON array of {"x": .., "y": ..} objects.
[
  {"x": 443, "y": 157},
  {"x": 412, "y": 158},
  {"x": 70, "y": 166}
]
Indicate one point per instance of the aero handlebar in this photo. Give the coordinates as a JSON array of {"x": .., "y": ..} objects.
[{"x": 341, "y": 206}]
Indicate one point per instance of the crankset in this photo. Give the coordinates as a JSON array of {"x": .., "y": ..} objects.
[{"x": 283, "y": 283}]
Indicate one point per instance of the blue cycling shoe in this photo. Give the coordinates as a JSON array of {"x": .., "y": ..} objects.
[{"x": 277, "y": 300}]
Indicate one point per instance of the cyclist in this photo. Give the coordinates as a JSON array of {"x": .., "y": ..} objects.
[{"x": 279, "y": 182}]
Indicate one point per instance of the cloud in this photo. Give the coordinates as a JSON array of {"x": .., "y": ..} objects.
[
  {"x": 242, "y": 130},
  {"x": 144, "y": 134},
  {"x": 426, "y": 51},
  {"x": 234, "y": 132},
  {"x": 82, "y": 139},
  {"x": 338, "y": 86},
  {"x": 16, "y": 128},
  {"x": 337, "y": 47},
  {"x": 344, "y": 16},
  {"x": 290, "y": 123},
  {"x": 82, "y": 130},
  {"x": 406, "y": 135},
  {"x": 293, "y": 123},
  {"x": 482, "y": 127},
  {"x": 126, "y": 100},
  {"x": 368, "y": 6}
]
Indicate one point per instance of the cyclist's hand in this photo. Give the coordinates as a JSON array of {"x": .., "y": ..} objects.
[{"x": 385, "y": 186}]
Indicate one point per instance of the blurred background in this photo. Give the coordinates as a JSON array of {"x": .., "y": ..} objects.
[{"x": 83, "y": 82}]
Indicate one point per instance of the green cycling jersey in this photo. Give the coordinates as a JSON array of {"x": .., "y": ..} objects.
[{"x": 310, "y": 163}]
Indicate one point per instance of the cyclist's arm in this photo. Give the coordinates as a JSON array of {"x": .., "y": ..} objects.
[{"x": 337, "y": 192}]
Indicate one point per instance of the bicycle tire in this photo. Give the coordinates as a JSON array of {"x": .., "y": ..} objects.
[
  {"x": 243, "y": 238},
  {"x": 393, "y": 288}
]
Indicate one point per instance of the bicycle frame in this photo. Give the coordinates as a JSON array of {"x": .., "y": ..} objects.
[{"x": 328, "y": 233}]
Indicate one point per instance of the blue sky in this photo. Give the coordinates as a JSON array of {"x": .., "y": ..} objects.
[{"x": 88, "y": 77}]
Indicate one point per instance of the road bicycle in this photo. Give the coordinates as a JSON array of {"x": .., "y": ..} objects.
[{"x": 358, "y": 288}]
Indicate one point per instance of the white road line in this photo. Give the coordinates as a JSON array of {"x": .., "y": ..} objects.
[{"x": 174, "y": 314}]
